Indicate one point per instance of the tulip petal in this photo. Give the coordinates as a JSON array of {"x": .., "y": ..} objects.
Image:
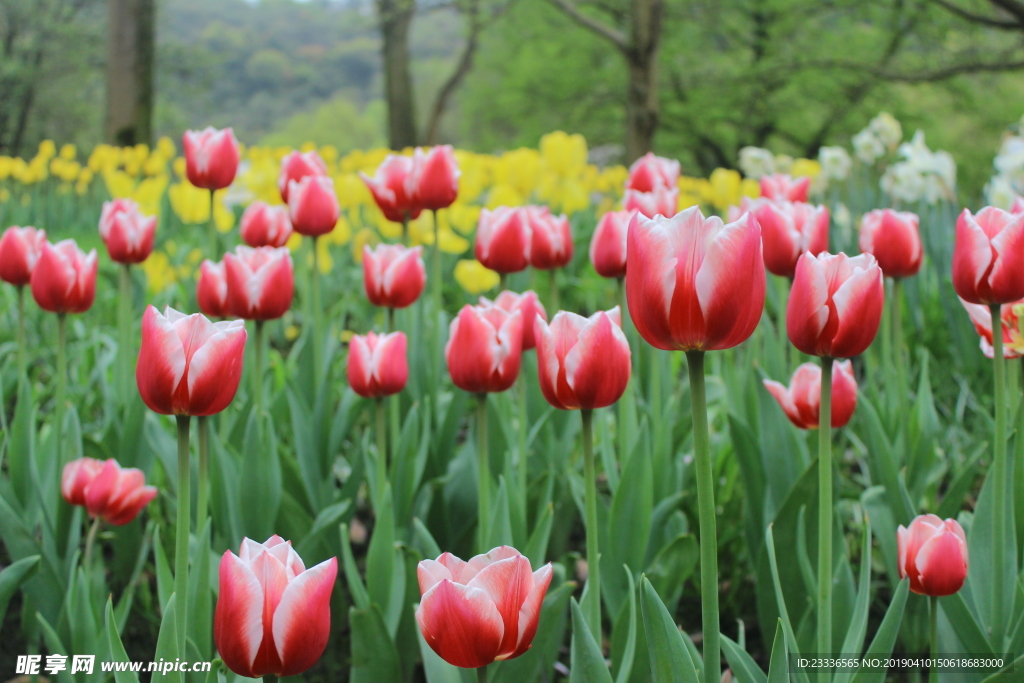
[
  {"x": 431, "y": 572},
  {"x": 1006, "y": 280},
  {"x": 972, "y": 259},
  {"x": 161, "y": 362},
  {"x": 529, "y": 613},
  {"x": 942, "y": 564},
  {"x": 598, "y": 366},
  {"x": 650, "y": 279},
  {"x": 238, "y": 618},
  {"x": 807, "y": 311},
  {"x": 781, "y": 394},
  {"x": 858, "y": 303},
  {"x": 508, "y": 582},
  {"x": 461, "y": 624},
  {"x": 302, "y": 621},
  {"x": 216, "y": 368},
  {"x": 731, "y": 306}
]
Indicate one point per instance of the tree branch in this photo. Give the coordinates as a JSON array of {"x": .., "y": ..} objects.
[
  {"x": 994, "y": 22},
  {"x": 1013, "y": 7},
  {"x": 616, "y": 37},
  {"x": 462, "y": 68}
]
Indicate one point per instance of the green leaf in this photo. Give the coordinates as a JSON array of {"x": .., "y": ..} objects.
[
  {"x": 167, "y": 644},
  {"x": 1009, "y": 674},
  {"x": 352, "y": 577},
  {"x": 751, "y": 466},
  {"x": 884, "y": 464},
  {"x": 374, "y": 655},
  {"x": 164, "y": 577},
  {"x": 325, "y": 519},
  {"x": 884, "y": 640},
  {"x": 261, "y": 476},
  {"x": 380, "y": 557},
  {"x": 854, "y": 640},
  {"x": 424, "y": 541},
  {"x": 116, "y": 648},
  {"x": 629, "y": 528},
  {"x": 670, "y": 658},
  {"x": 981, "y": 577},
  {"x": 965, "y": 624},
  {"x": 55, "y": 646},
  {"x": 12, "y": 577},
  {"x": 743, "y": 666},
  {"x": 537, "y": 547},
  {"x": 21, "y": 448},
  {"x": 778, "y": 669},
  {"x": 625, "y": 665},
  {"x": 587, "y": 662},
  {"x": 780, "y": 598},
  {"x": 200, "y": 614}
]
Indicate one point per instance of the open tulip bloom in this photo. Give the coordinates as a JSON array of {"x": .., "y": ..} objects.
[
  {"x": 1013, "y": 336},
  {"x": 106, "y": 490},
  {"x": 660, "y": 201},
  {"x": 789, "y": 229},
  {"x": 527, "y": 304},
  {"x": 801, "y": 400}
]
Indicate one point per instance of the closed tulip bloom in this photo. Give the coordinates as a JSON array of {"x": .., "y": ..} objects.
[
  {"x": 694, "y": 283},
  {"x": 789, "y": 229},
  {"x": 211, "y": 157},
  {"x": 1013, "y": 336},
  {"x": 127, "y": 233},
  {"x": 64, "y": 278},
  {"x": 988, "y": 259},
  {"x": 377, "y": 365},
  {"x": 933, "y": 554},
  {"x": 393, "y": 275},
  {"x": 394, "y": 188},
  {"x": 782, "y": 186},
  {"x": 435, "y": 177},
  {"x": 313, "y": 205},
  {"x": 835, "y": 304},
  {"x": 583, "y": 363},
  {"x": 264, "y": 225},
  {"x": 76, "y": 477},
  {"x": 550, "y": 238},
  {"x": 801, "y": 400},
  {"x": 608, "y": 246},
  {"x": 484, "y": 348},
  {"x": 261, "y": 282},
  {"x": 487, "y": 609},
  {"x": 661, "y": 201},
  {"x": 892, "y": 238},
  {"x": 187, "y": 364},
  {"x": 212, "y": 289},
  {"x": 19, "y": 252},
  {"x": 527, "y": 304},
  {"x": 296, "y": 166},
  {"x": 649, "y": 172},
  {"x": 503, "y": 239},
  {"x": 273, "y": 615},
  {"x": 106, "y": 490}
]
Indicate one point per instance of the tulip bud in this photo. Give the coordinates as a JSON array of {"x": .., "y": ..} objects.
[
  {"x": 211, "y": 157},
  {"x": 933, "y": 553},
  {"x": 608, "y": 246},
  {"x": 1010, "y": 323},
  {"x": 484, "y": 349},
  {"x": 694, "y": 283},
  {"x": 835, "y": 304},
  {"x": 19, "y": 252},
  {"x": 260, "y": 282},
  {"x": 661, "y": 201},
  {"x": 127, "y": 233},
  {"x": 649, "y": 172},
  {"x": 393, "y": 188},
  {"x": 801, "y": 400},
  {"x": 435, "y": 177},
  {"x": 892, "y": 238},
  {"x": 527, "y": 304},
  {"x": 988, "y": 259},
  {"x": 313, "y": 205},
  {"x": 212, "y": 289},
  {"x": 393, "y": 275},
  {"x": 476, "y": 612},
  {"x": 64, "y": 278},
  {"x": 377, "y": 365},
  {"x": 503, "y": 239},
  {"x": 550, "y": 238},
  {"x": 188, "y": 365},
  {"x": 789, "y": 229},
  {"x": 296, "y": 166},
  {"x": 783, "y": 187},
  {"x": 264, "y": 225},
  {"x": 273, "y": 615}
]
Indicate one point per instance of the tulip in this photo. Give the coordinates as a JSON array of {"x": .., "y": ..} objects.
[
  {"x": 801, "y": 400},
  {"x": 393, "y": 188},
  {"x": 484, "y": 610},
  {"x": 106, "y": 490},
  {"x": 789, "y": 229},
  {"x": 550, "y": 238},
  {"x": 661, "y": 201},
  {"x": 264, "y": 225},
  {"x": 76, "y": 477},
  {"x": 527, "y": 304},
  {"x": 1018, "y": 206},
  {"x": 988, "y": 267},
  {"x": 892, "y": 238},
  {"x": 212, "y": 289},
  {"x": 484, "y": 348},
  {"x": 296, "y": 166},
  {"x": 64, "y": 278},
  {"x": 393, "y": 275},
  {"x": 835, "y": 305},
  {"x": 1013, "y": 337},
  {"x": 434, "y": 178},
  {"x": 127, "y": 233},
  {"x": 782, "y": 186},
  {"x": 260, "y": 282},
  {"x": 649, "y": 172},
  {"x": 313, "y": 205},
  {"x": 608, "y": 246},
  {"x": 211, "y": 158},
  {"x": 273, "y": 615},
  {"x": 377, "y": 365},
  {"x": 19, "y": 252},
  {"x": 933, "y": 554},
  {"x": 503, "y": 240}
]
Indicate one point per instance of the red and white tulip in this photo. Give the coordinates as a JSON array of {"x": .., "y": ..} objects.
[
  {"x": 211, "y": 157},
  {"x": 933, "y": 554},
  {"x": 788, "y": 230},
  {"x": 263, "y": 225},
  {"x": 484, "y": 348},
  {"x": 212, "y": 289},
  {"x": 435, "y": 177},
  {"x": 393, "y": 275},
  {"x": 988, "y": 259},
  {"x": 784, "y": 187},
  {"x": 127, "y": 233},
  {"x": 608, "y": 245},
  {"x": 106, "y": 490},
  {"x": 377, "y": 364},
  {"x": 64, "y": 278},
  {"x": 550, "y": 238},
  {"x": 393, "y": 187},
  {"x": 261, "y": 282},
  {"x": 313, "y": 205},
  {"x": 650, "y": 171},
  {"x": 892, "y": 237},
  {"x": 527, "y": 304},
  {"x": 801, "y": 400},
  {"x": 19, "y": 252},
  {"x": 296, "y": 166},
  {"x": 503, "y": 239}
]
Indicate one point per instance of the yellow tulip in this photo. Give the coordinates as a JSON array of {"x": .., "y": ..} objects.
[
  {"x": 806, "y": 167},
  {"x": 504, "y": 195},
  {"x": 362, "y": 238},
  {"x": 563, "y": 154},
  {"x": 68, "y": 152},
  {"x": 159, "y": 272},
  {"x": 725, "y": 188},
  {"x": 473, "y": 277}
]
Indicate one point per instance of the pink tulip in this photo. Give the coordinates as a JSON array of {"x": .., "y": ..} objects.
[
  {"x": 435, "y": 177},
  {"x": 377, "y": 365},
  {"x": 801, "y": 400},
  {"x": 296, "y": 166},
  {"x": 694, "y": 283},
  {"x": 127, "y": 233},
  {"x": 789, "y": 229},
  {"x": 313, "y": 205},
  {"x": 608, "y": 246},
  {"x": 661, "y": 201},
  {"x": 503, "y": 239},
  {"x": 487, "y": 609},
  {"x": 273, "y": 615},
  {"x": 393, "y": 275},
  {"x": 260, "y": 282},
  {"x": 1018, "y": 206},
  {"x": 212, "y": 290},
  {"x": 835, "y": 304},
  {"x": 484, "y": 348},
  {"x": 211, "y": 157},
  {"x": 933, "y": 553},
  {"x": 527, "y": 304},
  {"x": 988, "y": 259},
  {"x": 64, "y": 278},
  {"x": 783, "y": 187},
  {"x": 393, "y": 188},
  {"x": 107, "y": 491},
  {"x": 892, "y": 238},
  {"x": 19, "y": 252},
  {"x": 550, "y": 238},
  {"x": 76, "y": 477},
  {"x": 649, "y": 172},
  {"x": 264, "y": 225},
  {"x": 188, "y": 365},
  {"x": 1010, "y": 323},
  {"x": 583, "y": 363}
]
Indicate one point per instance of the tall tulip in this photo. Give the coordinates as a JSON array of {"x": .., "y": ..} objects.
[
  {"x": 394, "y": 189},
  {"x": 608, "y": 246},
  {"x": 503, "y": 240},
  {"x": 19, "y": 251},
  {"x": 211, "y": 162},
  {"x": 650, "y": 171},
  {"x": 296, "y": 166},
  {"x": 393, "y": 275},
  {"x": 435, "y": 177},
  {"x": 892, "y": 237},
  {"x": 789, "y": 230},
  {"x": 801, "y": 400},
  {"x": 661, "y": 201},
  {"x": 263, "y": 225},
  {"x": 782, "y": 186},
  {"x": 481, "y": 611},
  {"x": 273, "y": 615},
  {"x": 64, "y": 278},
  {"x": 260, "y": 282}
]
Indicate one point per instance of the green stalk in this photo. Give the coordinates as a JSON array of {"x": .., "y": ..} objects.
[
  {"x": 90, "y": 541},
  {"x": 318, "y": 332},
  {"x": 999, "y": 476},
  {"x": 405, "y": 229},
  {"x": 258, "y": 373},
  {"x": 483, "y": 475},
  {"x": 211, "y": 227},
  {"x": 887, "y": 334},
  {"x": 593, "y": 615},
  {"x": 825, "y": 515},
  {"x": 181, "y": 540},
  {"x": 382, "y": 450},
  {"x": 435, "y": 267},
  {"x": 124, "y": 339},
  {"x": 21, "y": 331},
  {"x": 62, "y": 383},
  {"x": 897, "y": 340},
  {"x": 481, "y": 674},
  {"x": 553, "y": 275},
  {"x": 391, "y": 320},
  {"x": 933, "y": 673},
  {"x": 203, "y": 488},
  {"x": 706, "y": 512},
  {"x": 521, "y": 454},
  {"x": 502, "y": 281},
  {"x": 622, "y": 407}
]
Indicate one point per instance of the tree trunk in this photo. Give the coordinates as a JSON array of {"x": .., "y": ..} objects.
[
  {"x": 395, "y": 20},
  {"x": 130, "y": 59},
  {"x": 642, "y": 62}
]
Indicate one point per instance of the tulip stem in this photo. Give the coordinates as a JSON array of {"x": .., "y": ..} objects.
[
  {"x": 90, "y": 540},
  {"x": 897, "y": 344},
  {"x": 405, "y": 228},
  {"x": 593, "y": 602},
  {"x": 62, "y": 383},
  {"x": 523, "y": 457},
  {"x": 481, "y": 674},
  {"x": 998, "y": 474},
  {"x": 211, "y": 226},
  {"x": 318, "y": 340},
  {"x": 203, "y": 487},
  {"x": 21, "y": 330},
  {"x": 258, "y": 373},
  {"x": 435, "y": 267},
  {"x": 933, "y": 673},
  {"x": 124, "y": 322},
  {"x": 483, "y": 475},
  {"x": 825, "y": 515},
  {"x": 502, "y": 281},
  {"x": 706, "y": 513},
  {"x": 391, "y": 320},
  {"x": 382, "y": 449},
  {"x": 553, "y": 275},
  {"x": 182, "y": 534}
]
